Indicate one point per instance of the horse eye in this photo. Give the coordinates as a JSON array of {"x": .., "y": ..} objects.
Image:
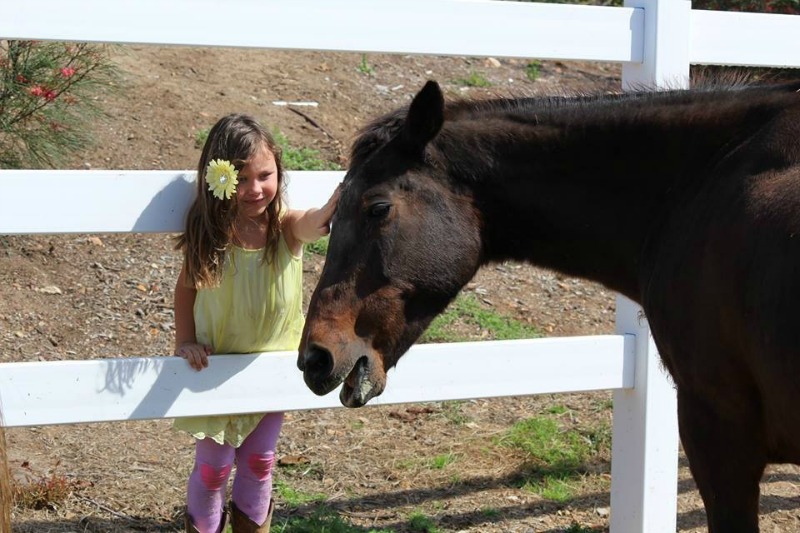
[{"x": 379, "y": 209}]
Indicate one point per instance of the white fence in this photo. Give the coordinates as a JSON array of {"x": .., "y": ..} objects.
[{"x": 655, "y": 40}]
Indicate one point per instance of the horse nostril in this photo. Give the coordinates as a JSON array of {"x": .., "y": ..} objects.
[{"x": 318, "y": 361}]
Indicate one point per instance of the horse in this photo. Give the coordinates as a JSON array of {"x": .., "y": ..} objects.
[{"x": 685, "y": 201}]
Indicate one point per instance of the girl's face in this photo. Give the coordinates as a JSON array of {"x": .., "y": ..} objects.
[{"x": 258, "y": 184}]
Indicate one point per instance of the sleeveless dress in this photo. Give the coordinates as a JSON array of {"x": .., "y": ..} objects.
[{"x": 256, "y": 308}]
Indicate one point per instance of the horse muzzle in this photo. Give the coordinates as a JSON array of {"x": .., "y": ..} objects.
[{"x": 361, "y": 374}]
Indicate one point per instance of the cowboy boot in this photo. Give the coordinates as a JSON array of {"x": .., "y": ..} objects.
[
  {"x": 190, "y": 527},
  {"x": 188, "y": 524},
  {"x": 241, "y": 523}
]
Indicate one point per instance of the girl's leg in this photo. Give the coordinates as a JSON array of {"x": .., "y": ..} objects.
[
  {"x": 207, "y": 483},
  {"x": 252, "y": 485}
]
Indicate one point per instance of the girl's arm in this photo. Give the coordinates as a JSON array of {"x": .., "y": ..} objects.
[
  {"x": 186, "y": 345},
  {"x": 308, "y": 226}
]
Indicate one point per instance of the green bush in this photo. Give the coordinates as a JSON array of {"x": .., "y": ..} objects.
[{"x": 48, "y": 95}]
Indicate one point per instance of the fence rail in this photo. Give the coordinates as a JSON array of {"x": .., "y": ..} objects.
[
  {"x": 655, "y": 40},
  {"x": 141, "y": 388},
  {"x": 440, "y": 27}
]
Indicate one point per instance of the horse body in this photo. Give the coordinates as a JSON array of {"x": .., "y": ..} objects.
[{"x": 687, "y": 202}]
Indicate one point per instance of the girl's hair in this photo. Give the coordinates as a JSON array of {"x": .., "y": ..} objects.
[{"x": 210, "y": 222}]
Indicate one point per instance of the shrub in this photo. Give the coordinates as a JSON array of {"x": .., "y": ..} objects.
[
  {"x": 42, "y": 491},
  {"x": 757, "y": 6},
  {"x": 48, "y": 94}
]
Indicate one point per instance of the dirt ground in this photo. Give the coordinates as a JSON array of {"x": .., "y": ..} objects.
[{"x": 114, "y": 297}]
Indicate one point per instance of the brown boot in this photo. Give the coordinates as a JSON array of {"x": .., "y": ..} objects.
[
  {"x": 241, "y": 523},
  {"x": 189, "y": 524}
]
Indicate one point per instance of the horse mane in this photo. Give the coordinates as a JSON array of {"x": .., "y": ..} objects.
[{"x": 706, "y": 90}]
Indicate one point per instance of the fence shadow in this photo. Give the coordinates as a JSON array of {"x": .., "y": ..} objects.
[
  {"x": 121, "y": 376},
  {"x": 168, "y": 204}
]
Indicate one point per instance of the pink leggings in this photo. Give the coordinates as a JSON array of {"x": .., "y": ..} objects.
[{"x": 252, "y": 484}]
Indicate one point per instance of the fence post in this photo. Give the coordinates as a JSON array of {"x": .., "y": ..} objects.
[
  {"x": 644, "y": 467},
  {"x": 667, "y": 31},
  {"x": 644, "y": 449}
]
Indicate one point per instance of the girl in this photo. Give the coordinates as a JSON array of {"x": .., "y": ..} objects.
[{"x": 239, "y": 291}]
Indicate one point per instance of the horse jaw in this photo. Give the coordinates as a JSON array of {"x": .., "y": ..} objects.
[{"x": 365, "y": 381}]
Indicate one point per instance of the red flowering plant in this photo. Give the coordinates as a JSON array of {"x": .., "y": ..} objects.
[
  {"x": 789, "y": 7},
  {"x": 48, "y": 96}
]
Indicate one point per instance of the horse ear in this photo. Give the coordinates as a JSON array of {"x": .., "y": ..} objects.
[{"x": 425, "y": 116}]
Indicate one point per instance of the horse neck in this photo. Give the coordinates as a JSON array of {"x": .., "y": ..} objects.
[{"x": 583, "y": 192}]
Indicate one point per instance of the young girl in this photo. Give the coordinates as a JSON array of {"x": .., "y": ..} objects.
[{"x": 239, "y": 291}]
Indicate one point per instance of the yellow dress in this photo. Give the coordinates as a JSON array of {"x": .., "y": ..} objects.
[{"x": 258, "y": 307}]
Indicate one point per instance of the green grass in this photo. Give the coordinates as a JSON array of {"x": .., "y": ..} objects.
[
  {"x": 319, "y": 247},
  {"x": 559, "y": 457},
  {"x": 467, "y": 309},
  {"x": 555, "y": 488},
  {"x": 200, "y": 137},
  {"x": 532, "y": 70},
  {"x": 421, "y": 523},
  {"x": 453, "y": 411},
  {"x": 577, "y": 528},
  {"x": 322, "y": 521},
  {"x": 475, "y": 79},
  {"x": 418, "y": 463},
  {"x": 301, "y": 158},
  {"x": 491, "y": 512},
  {"x": 311, "y": 470},
  {"x": 295, "y": 498},
  {"x": 557, "y": 410},
  {"x": 606, "y": 404},
  {"x": 442, "y": 461},
  {"x": 543, "y": 439},
  {"x": 293, "y": 158},
  {"x": 364, "y": 67},
  {"x": 405, "y": 464}
]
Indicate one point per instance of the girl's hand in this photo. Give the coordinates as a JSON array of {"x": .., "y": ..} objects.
[
  {"x": 195, "y": 354},
  {"x": 326, "y": 211},
  {"x": 310, "y": 225}
]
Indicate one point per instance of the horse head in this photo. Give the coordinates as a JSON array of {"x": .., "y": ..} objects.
[{"x": 404, "y": 242}]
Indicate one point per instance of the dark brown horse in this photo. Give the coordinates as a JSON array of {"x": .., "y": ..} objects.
[{"x": 687, "y": 202}]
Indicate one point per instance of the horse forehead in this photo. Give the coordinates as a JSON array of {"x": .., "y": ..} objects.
[{"x": 367, "y": 181}]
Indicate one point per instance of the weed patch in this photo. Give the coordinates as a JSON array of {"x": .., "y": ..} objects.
[
  {"x": 301, "y": 158},
  {"x": 323, "y": 521},
  {"x": 364, "y": 67},
  {"x": 42, "y": 492},
  {"x": 467, "y": 309},
  {"x": 421, "y": 523},
  {"x": 559, "y": 457},
  {"x": 295, "y": 498},
  {"x": 475, "y": 79}
]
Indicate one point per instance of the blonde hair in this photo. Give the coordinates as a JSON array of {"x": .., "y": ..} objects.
[{"x": 210, "y": 222}]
